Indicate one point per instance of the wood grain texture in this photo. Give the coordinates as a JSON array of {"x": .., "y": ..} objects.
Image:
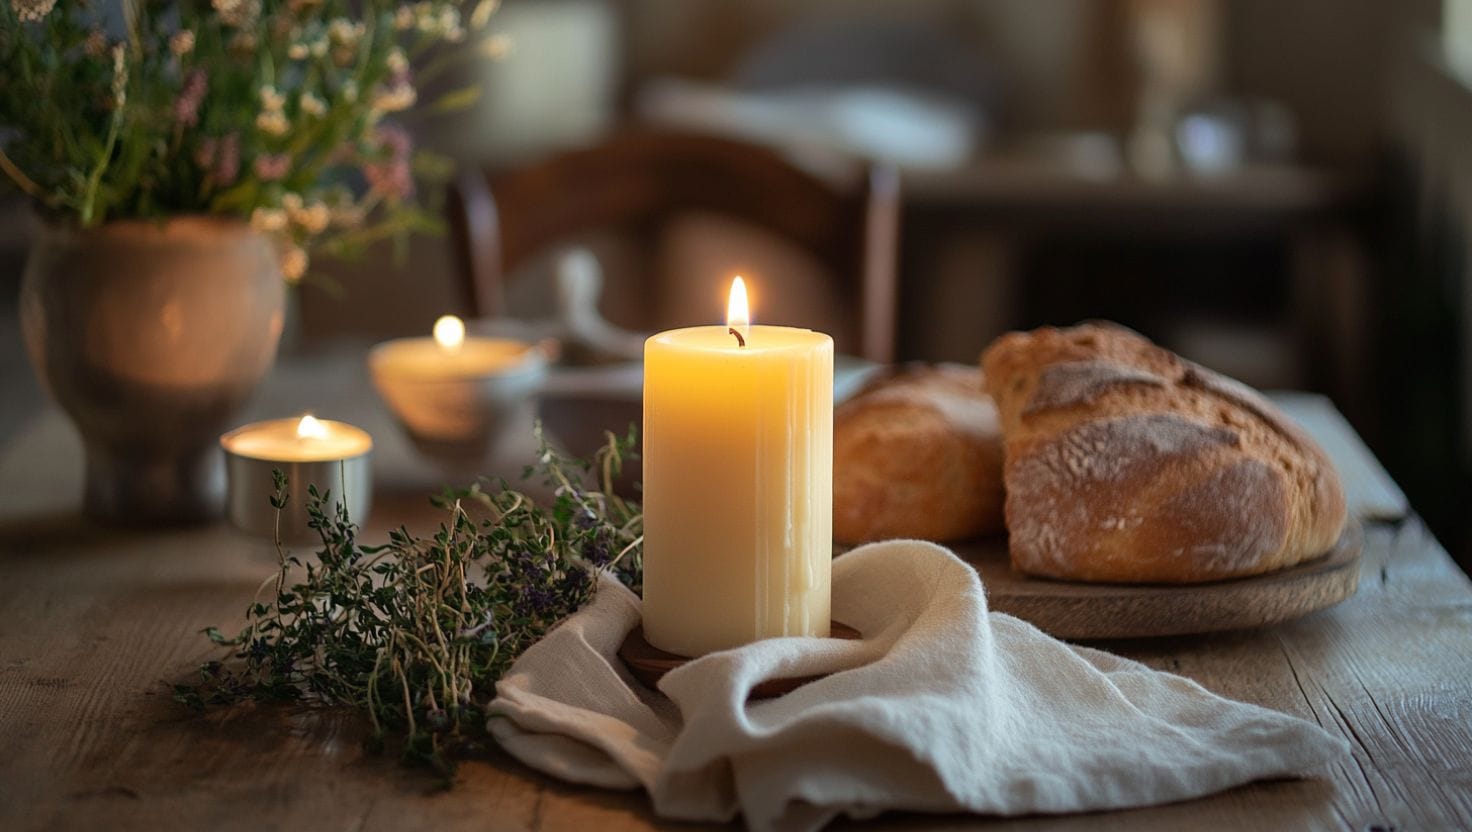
[
  {"x": 1072, "y": 610},
  {"x": 95, "y": 623}
]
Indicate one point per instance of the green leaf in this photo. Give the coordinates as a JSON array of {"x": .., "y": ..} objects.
[{"x": 455, "y": 100}]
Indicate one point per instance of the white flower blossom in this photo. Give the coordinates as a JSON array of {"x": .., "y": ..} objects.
[
  {"x": 268, "y": 219},
  {"x": 32, "y": 11},
  {"x": 312, "y": 217},
  {"x": 482, "y": 14},
  {"x": 298, "y": 51},
  {"x": 350, "y": 91},
  {"x": 318, "y": 47},
  {"x": 182, "y": 43},
  {"x": 294, "y": 264},
  {"x": 496, "y": 46},
  {"x": 436, "y": 21},
  {"x": 119, "y": 75},
  {"x": 237, "y": 13},
  {"x": 344, "y": 32},
  {"x": 272, "y": 100},
  {"x": 447, "y": 20},
  {"x": 312, "y": 105},
  {"x": 404, "y": 18},
  {"x": 397, "y": 62},
  {"x": 394, "y": 99},
  {"x": 273, "y": 123}
]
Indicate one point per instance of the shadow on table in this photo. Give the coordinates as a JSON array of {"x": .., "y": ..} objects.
[
  {"x": 290, "y": 762},
  {"x": 1277, "y": 804},
  {"x": 43, "y": 533}
]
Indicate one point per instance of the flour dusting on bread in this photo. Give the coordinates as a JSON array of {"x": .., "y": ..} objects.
[
  {"x": 971, "y": 413},
  {"x": 1080, "y": 382},
  {"x": 1049, "y": 490},
  {"x": 1127, "y": 463},
  {"x": 917, "y": 453}
]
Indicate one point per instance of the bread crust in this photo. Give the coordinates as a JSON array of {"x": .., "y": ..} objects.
[
  {"x": 1126, "y": 463},
  {"x": 917, "y": 454}
]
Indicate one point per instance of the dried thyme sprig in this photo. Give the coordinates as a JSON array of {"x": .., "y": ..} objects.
[{"x": 416, "y": 632}]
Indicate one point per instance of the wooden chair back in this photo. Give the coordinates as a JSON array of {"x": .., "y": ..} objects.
[{"x": 641, "y": 177}]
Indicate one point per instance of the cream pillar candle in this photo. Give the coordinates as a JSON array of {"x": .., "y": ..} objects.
[{"x": 738, "y": 484}]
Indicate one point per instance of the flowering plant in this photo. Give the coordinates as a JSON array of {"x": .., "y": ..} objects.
[{"x": 275, "y": 111}]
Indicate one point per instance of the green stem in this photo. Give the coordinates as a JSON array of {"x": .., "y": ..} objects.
[
  {"x": 25, "y": 183},
  {"x": 89, "y": 199}
]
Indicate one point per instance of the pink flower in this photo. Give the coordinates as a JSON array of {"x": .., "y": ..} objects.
[
  {"x": 272, "y": 166},
  {"x": 186, "y": 106},
  {"x": 391, "y": 179},
  {"x": 391, "y": 176},
  {"x": 227, "y": 164},
  {"x": 396, "y": 140},
  {"x": 205, "y": 151}
]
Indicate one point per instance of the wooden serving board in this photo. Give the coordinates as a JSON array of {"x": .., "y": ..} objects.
[{"x": 1102, "y": 611}]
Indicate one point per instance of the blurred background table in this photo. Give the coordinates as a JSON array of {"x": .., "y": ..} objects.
[{"x": 95, "y": 624}]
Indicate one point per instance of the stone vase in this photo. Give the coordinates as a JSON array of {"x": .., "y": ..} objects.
[{"x": 151, "y": 335}]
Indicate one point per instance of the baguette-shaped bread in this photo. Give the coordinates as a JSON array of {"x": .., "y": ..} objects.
[
  {"x": 1127, "y": 463},
  {"x": 917, "y": 454}
]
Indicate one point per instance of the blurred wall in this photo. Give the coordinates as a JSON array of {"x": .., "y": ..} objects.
[
  {"x": 1061, "y": 60},
  {"x": 1065, "y": 63},
  {"x": 1058, "y": 64},
  {"x": 1327, "y": 59}
]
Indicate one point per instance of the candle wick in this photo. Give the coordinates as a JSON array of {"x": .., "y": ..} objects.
[{"x": 741, "y": 342}]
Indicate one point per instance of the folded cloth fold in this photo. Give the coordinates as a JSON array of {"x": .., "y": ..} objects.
[{"x": 941, "y": 707}]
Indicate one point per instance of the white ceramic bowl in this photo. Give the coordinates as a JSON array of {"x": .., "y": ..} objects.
[{"x": 456, "y": 411}]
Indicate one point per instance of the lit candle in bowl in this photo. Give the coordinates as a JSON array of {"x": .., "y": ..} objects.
[
  {"x": 738, "y": 483},
  {"x": 334, "y": 456},
  {"x": 453, "y": 392}
]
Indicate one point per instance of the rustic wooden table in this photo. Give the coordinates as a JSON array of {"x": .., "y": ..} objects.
[{"x": 96, "y": 623}]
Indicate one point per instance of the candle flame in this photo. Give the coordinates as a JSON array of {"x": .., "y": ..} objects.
[
  {"x": 449, "y": 332},
  {"x": 738, "y": 313},
  {"x": 310, "y": 427}
]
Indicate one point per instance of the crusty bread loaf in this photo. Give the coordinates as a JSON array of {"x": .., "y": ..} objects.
[
  {"x": 1126, "y": 463},
  {"x": 917, "y": 454}
]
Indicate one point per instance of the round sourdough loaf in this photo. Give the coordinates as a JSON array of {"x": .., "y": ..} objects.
[
  {"x": 917, "y": 454},
  {"x": 1126, "y": 463}
]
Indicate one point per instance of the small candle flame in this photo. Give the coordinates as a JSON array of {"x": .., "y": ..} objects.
[
  {"x": 449, "y": 332},
  {"x": 738, "y": 313},
  {"x": 310, "y": 427}
]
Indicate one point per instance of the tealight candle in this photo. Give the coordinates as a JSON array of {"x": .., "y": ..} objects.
[
  {"x": 451, "y": 391},
  {"x": 738, "y": 483},
  {"x": 334, "y": 456}
]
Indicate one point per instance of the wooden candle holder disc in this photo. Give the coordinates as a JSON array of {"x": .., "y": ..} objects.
[{"x": 649, "y": 664}]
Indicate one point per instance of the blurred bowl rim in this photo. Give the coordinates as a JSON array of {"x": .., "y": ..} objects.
[{"x": 536, "y": 357}]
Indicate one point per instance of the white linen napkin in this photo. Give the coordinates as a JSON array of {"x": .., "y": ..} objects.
[{"x": 942, "y": 707}]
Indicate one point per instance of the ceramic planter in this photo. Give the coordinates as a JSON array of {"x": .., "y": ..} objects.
[{"x": 150, "y": 336}]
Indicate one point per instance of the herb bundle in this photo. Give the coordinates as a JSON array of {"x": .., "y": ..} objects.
[{"x": 416, "y": 632}]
